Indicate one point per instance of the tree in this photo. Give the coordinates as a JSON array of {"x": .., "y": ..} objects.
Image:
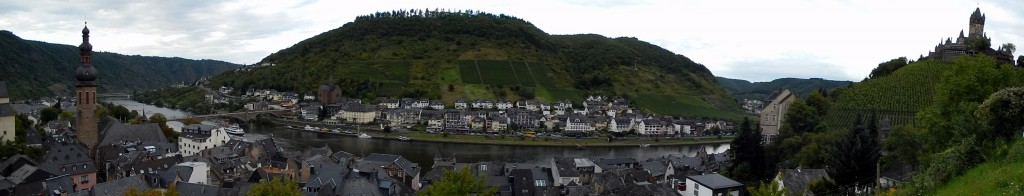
[
  {"x": 66, "y": 115},
  {"x": 191, "y": 121},
  {"x": 885, "y": 68},
  {"x": 770, "y": 189},
  {"x": 276, "y": 187},
  {"x": 171, "y": 191},
  {"x": 1020, "y": 61},
  {"x": 161, "y": 121},
  {"x": 981, "y": 43},
  {"x": 48, "y": 114},
  {"x": 1008, "y": 47},
  {"x": 853, "y": 159},
  {"x": 801, "y": 118},
  {"x": 460, "y": 182},
  {"x": 748, "y": 154},
  {"x": 1002, "y": 114}
]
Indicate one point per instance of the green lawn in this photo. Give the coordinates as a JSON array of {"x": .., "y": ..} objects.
[{"x": 992, "y": 178}]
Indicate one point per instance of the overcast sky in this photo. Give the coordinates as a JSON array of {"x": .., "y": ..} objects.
[{"x": 754, "y": 40}]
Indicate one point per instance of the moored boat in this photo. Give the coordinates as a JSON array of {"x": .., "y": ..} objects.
[
  {"x": 234, "y": 129},
  {"x": 364, "y": 136}
]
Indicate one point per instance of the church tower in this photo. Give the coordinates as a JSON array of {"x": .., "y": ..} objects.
[
  {"x": 977, "y": 27},
  {"x": 85, "y": 97}
]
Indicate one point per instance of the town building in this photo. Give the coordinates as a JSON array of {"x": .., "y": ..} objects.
[
  {"x": 196, "y": 138},
  {"x": 329, "y": 94},
  {"x": 774, "y": 113},
  {"x": 7, "y": 133},
  {"x": 710, "y": 184}
]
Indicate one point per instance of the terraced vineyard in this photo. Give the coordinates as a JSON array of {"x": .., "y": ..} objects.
[
  {"x": 535, "y": 75},
  {"x": 898, "y": 96}
]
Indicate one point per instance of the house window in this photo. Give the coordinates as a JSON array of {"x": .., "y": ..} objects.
[{"x": 83, "y": 179}]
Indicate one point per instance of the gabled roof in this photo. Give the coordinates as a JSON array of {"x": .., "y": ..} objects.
[
  {"x": 566, "y": 167},
  {"x": 411, "y": 169},
  {"x": 190, "y": 189},
  {"x": 656, "y": 168},
  {"x": 797, "y": 181},
  {"x": 121, "y": 186},
  {"x": 66, "y": 158},
  {"x": 715, "y": 181},
  {"x": 113, "y": 131}
]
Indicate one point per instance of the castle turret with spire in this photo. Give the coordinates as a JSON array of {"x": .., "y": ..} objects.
[
  {"x": 948, "y": 49},
  {"x": 85, "y": 96}
]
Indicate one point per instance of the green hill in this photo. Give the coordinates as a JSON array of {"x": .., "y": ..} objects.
[
  {"x": 36, "y": 69},
  {"x": 759, "y": 90},
  {"x": 897, "y": 96},
  {"x": 451, "y": 55}
]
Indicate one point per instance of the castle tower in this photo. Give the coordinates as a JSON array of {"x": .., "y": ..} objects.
[
  {"x": 85, "y": 97},
  {"x": 977, "y": 27}
]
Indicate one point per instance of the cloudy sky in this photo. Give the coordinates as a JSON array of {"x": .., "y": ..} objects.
[{"x": 754, "y": 40}]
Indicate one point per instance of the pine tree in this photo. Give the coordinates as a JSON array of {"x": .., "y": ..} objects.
[{"x": 748, "y": 155}]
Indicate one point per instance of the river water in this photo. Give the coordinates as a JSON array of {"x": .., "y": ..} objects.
[{"x": 423, "y": 152}]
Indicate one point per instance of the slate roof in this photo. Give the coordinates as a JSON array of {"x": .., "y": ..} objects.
[
  {"x": 32, "y": 137},
  {"x": 411, "y": 169},
  {"x": 656, "y": 168},
  {"x": 190, "y": 189},
  {"x": 356, "y": 184},
  {"x": 3, "y": 90},
  {"x": 21, "y": 169},
  {"x": 114, "y": 132},
  {"x": 6, "y": 110},
  {"x": 797, "y": 181},
  {"x": 120, "y": 186},
  {"x": 566, "y": 167},
  {"x": 328, "y": 176},
  {"x": 715, "y": 181},
  {"x": 64, "y": 158}
]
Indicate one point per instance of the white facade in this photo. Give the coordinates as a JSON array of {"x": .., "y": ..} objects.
[
  {"x": 200, "y": 172},
  {"x": 577, "y": 124},
  {"x": 189, "y": 145}
]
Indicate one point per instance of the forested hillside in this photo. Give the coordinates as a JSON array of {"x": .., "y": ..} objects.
[
  {"x": 760, "y": 90},
  {"x": 36, "y": 69},
  {"x": 468, "y": 54}
]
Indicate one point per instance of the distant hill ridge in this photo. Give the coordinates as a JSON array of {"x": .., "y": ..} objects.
[
  {"x": 434, "y": 54},
  {"x": 36, "y": 69},
  {"x": 760, "y": 90}
]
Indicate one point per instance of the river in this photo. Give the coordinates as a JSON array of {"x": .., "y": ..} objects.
[{"x": 423, "y": 152}]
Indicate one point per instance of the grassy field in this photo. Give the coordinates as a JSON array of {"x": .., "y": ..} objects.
[
  {"x": 683, "y": 106},
  {"x": 992, "y": 178}
]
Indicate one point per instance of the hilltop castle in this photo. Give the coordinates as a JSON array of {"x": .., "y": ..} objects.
[{"x": 949, "y": 50}]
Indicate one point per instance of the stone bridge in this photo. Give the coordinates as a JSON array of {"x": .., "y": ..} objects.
[{"x": 243, "y": 116}]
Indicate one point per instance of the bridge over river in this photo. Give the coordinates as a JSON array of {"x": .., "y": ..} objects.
[{"x": 244, "y": 116}]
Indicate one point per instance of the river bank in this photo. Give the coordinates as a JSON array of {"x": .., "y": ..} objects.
[{"x": 521, "y": 140}]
